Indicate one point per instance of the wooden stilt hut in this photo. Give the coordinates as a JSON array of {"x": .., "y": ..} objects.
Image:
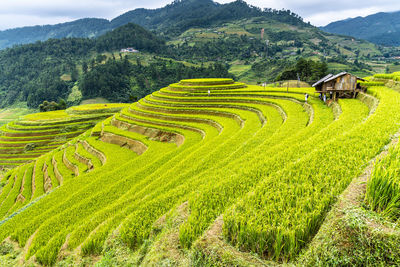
[{"x": 342, "y": 85}]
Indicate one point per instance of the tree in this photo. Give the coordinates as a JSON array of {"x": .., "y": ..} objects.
[
  {"x": 51, "y": 106},
  {"x": 307, "y": 70},
  {"x": 122, "y": 81},
  {"x": 74, "y": 74},
  {"x": 84, "y": 67}
]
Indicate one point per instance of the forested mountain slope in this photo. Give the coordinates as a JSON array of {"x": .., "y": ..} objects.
[
  {"x": 380, "y": 28},
  {"x": 186, "y": 37},
  {"x": 31, "y": 73},
  {"x": 171, "y": 19},
  {"x": 89, "y": 27}
]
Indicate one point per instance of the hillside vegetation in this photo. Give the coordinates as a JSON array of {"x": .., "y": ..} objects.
[
  {"x": 174, "y": 18},
  {"x": 203, "y": 34},
  {"x": 203, "y": 172},
  {"x": 33, "y": 73},
  {"x": 79, "y": 28},
  {"x": 55, "y": 69}
]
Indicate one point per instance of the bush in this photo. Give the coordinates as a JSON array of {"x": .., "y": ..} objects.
[{"x": 51, "y": 106}]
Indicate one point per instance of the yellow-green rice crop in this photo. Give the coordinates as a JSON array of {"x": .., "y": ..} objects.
[{"x": 271, "y": 164}]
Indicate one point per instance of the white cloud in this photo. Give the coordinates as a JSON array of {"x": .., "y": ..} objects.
[
  {"x": 16, "y": 13},
  {"x": 320, "y": 12},
  {"x": 26, "y": 20},
  {"x": 324, "y": 18}
]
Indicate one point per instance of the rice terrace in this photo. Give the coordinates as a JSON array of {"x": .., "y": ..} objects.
[
  {"x": 233, "y": 173},
  {"x": 199, "y": 134}
]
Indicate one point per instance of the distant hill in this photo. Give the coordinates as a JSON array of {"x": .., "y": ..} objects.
[
  {"x": 79, "y": 28},
  {"x": 194, "y": 33},
  {"x": 172, "y": 19},
  {"x": 380, "y": 28},
  {"x": 53, "y": 69},
  {"x": 181, "y": 15},
  {"x": 31, "y": 73}
]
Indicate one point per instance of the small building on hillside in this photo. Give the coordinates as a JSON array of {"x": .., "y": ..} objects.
[
  {"x": 129, "y": 50},
  {"x": 342, "y": 85}
]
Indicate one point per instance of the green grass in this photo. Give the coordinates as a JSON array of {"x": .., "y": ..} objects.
[
  {"x": 84, "y": 153},
  {"x": 51, "y": 115},
  {"x": 383, "y": 195},
  {"x": 10, "y": 114},
  {"x": 239, "y": 70},
  {"x": 394, "y": 68},
  {"x": 97, "y": 100}
]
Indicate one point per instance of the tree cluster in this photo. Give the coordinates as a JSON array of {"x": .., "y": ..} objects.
[
  {"x": 51, "y": 106},
  {"x": 122, "y": 81},
  {"x": 305, "y": 70},
  {"x": 32, "y": 72}
]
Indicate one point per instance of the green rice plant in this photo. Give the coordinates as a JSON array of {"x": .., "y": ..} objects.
[
  {"x": 84, "y": 153},
  {"x": 205, "y": 149},
  {"x": 183, "y": 179},
  {"x": 385, "y": 76},
  {"x": 226, "y": 190},
  {"x": 40, "y": 133},
  {"x": 69, "y": 154},
  {"x": 64, "y": 171},
  {"x": 383, "y": 192},
  {"x": 258, "y": 156},
  {"x": 51, "y": 115},
  {"x": 21, "y": 234},
  {"x": 25, "y": 190},
  {"x": 86, "y": 208},
  {"x": 368, "y": 83},
  {"x": 207, "y": 87},
  {"x": 108, "y": 194},
  {"x": 74, "y": 119},
  {"x": 8, "y": 197},
  {"x": 142, "y": 120},
  {"x": 38, "y": 178},
  {"x": 97, "y": 108},
  {"x": 101, "y": 232},
  {"x": 207, "y": 81},
  {"x": 288, "y": 231}
]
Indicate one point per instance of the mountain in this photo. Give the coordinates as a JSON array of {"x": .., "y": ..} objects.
[
  {"x": 89, "y": 27},
  {"x": 205, "y": 33},
  {"x": 172, "y": 19},
  {"x": 181, "y": 15},
  {"x": 380, "y": 28},
  {"x": 31, "y": 73},
  {"x": 53, "y": 69}
]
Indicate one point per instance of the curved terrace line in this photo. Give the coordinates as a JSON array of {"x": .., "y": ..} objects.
[
  {"x": 210, "y": 122},
  {"x": 224, "y": 100},
  {"x": 165, "y": 124},
  {"x": 258, "y": 112},
  {"x": 147, "y": 131},
  {"x": 225, "y": 114}
]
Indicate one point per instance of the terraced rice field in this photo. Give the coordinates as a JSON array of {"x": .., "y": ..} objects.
[
  {"x": 259, "y": 165},
  {"x": 25, "y": 140}
]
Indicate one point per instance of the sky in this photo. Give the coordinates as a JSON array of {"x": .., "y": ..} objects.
[{"x": 18, "y": 13}]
